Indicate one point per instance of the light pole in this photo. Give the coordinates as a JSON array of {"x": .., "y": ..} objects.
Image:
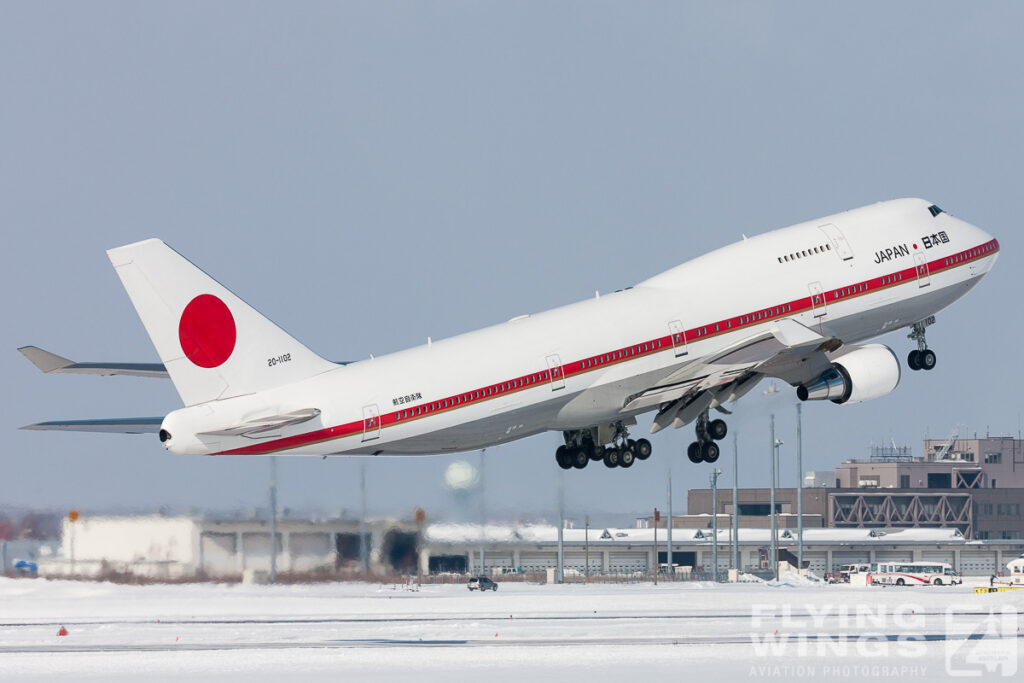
[
  {"x": 799, "y": 491},
  {"x": 668, "y": 555},
  {"x": 714, "y": 523},
  {"x": 364, "y": 549},
  {"x": 735, "y": 505},
  {"x": 273, "y": 519},
  {"x": 775, "y": 529},
  {"x": 483, "y": 515},
  {"x": 560, "y": 572},
  {"x": 586, "y": 549}
]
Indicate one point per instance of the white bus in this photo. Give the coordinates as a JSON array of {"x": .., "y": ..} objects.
[{"x": 914, "y": 574}]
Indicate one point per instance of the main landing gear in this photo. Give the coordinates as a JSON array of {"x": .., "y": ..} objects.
[
  {"x": 704, "y": 449},
  {"x": 621, "y": 451},
  {"x": 921, "y": 358}
]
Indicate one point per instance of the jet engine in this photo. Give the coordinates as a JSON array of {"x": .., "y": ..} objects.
[{"x": 865, "y": 373}]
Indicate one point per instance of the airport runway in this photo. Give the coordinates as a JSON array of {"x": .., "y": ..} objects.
[{"x": 567, "y": 632}]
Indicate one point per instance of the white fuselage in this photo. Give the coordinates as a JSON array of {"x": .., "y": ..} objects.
[{"x": 866, "y": 272}]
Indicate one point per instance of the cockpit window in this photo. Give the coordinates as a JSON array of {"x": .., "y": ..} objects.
[{"x": 934, "y": 210}]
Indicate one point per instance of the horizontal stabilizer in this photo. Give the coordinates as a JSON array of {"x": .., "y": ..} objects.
[
  {"x": 51, "y": 363},
  {"x": 260, "y": 427},
  {"x": 117, "y": 425}
]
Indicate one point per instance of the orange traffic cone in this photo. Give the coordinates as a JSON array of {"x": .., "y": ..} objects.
[{"x": 62, "y": 632}]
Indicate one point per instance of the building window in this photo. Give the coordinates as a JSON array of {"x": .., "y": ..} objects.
[
  {"x": 904, "y": 481},
  {"x": 758, "y": 509},
  {"x": 993, "y": 458}
]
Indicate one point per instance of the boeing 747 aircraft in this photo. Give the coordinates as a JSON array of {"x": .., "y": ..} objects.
[{"x": 796, "y": 304}]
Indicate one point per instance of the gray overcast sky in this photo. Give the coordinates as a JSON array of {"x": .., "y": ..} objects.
[{"x": 368, "y": 174}]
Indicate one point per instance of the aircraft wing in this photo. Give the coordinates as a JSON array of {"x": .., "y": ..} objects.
[
  {"x": 119, "y": 425},
  {"x": 788, "y": 350},
  {"x": 51, "y": 362}
]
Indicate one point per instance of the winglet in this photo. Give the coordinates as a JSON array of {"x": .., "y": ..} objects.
[{"x": 44, "y": 360}]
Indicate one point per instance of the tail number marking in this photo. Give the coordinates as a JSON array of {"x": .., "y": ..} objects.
[{"x": 283, "y": 358}]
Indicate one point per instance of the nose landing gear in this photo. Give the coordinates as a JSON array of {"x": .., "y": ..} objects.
[
  {"x": 921, "y": 358},
  {"x": 704, "y": 449}
]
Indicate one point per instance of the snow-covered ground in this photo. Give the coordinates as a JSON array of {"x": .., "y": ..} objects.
[{"x": 596, "y": 632}]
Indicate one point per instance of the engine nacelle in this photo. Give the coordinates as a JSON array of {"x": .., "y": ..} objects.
[{"x": 860, "y": 375}]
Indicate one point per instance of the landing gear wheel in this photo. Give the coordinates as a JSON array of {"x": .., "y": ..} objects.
[
  {"x": 926, "y": 359},
  {"x": 693, "y": 452},
  {"x": 626, "y": 458},
  {"x": 914, "y": 360},
  {"x": 642, "y": 449},
  {"x": 717, "y": 429},
  {"x": 709, "y": 451},
  {"x": 611, "y": 457},
  {"x": 579, "y": 458},
  {"x": 562, "y": 456}
]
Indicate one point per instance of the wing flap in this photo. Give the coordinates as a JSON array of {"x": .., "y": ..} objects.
[{"x": 119, "y": 425}]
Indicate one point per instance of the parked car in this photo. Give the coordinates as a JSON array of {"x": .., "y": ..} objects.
[
  {"x": 481, "y": 583},
  {"x": 26, "y": 568}
]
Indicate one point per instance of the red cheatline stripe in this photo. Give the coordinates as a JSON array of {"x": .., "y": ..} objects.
[{"x": 579, "y": 367}]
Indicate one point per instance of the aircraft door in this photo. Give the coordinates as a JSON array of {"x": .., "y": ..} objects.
[
  {"x": 924, "y": 278},
  {"x": 371, "y": 422},
  {"x": 678, "y": 334},
  {"x": 817, "y": 299},
  {"x": 556, "y": 375},
  {"x": 838, "y": 240}
]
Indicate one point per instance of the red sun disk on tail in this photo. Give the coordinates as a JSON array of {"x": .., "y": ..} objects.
[{"x": 207, "y": 331}]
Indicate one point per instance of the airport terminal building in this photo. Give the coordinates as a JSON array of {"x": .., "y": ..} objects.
[{"x": 195, "y": 547}]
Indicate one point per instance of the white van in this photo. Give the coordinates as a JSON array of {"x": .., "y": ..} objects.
[{"x": 1014, "y": 574}]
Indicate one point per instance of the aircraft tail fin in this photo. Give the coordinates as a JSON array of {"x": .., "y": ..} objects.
[{"x": 213, "y": 344}]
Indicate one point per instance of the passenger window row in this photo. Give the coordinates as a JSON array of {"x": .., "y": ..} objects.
[
  {"x": 973, "y": 253},
  {"x": 804, "y": 253},
  {"x": 492, "y": 390},
  {"x": 760, "y": 315},
  {"x": 848, "y": 291},
  {"x": 620, "y": 354}
]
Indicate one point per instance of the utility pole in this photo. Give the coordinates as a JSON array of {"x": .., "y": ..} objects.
[
  {"x": 364, "y": 550},
  {"x": 560, "y": 572},
  {"x": 799, "y": 490},
  {"x": 273, "y": 519},
  {"x": 714, "y": 522},
  {"x": 774, "y": 553},
  {"x": 735, "y": 505},
  {"x": 657, "y": 518},
  {"x": 668, "y": 556}
]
